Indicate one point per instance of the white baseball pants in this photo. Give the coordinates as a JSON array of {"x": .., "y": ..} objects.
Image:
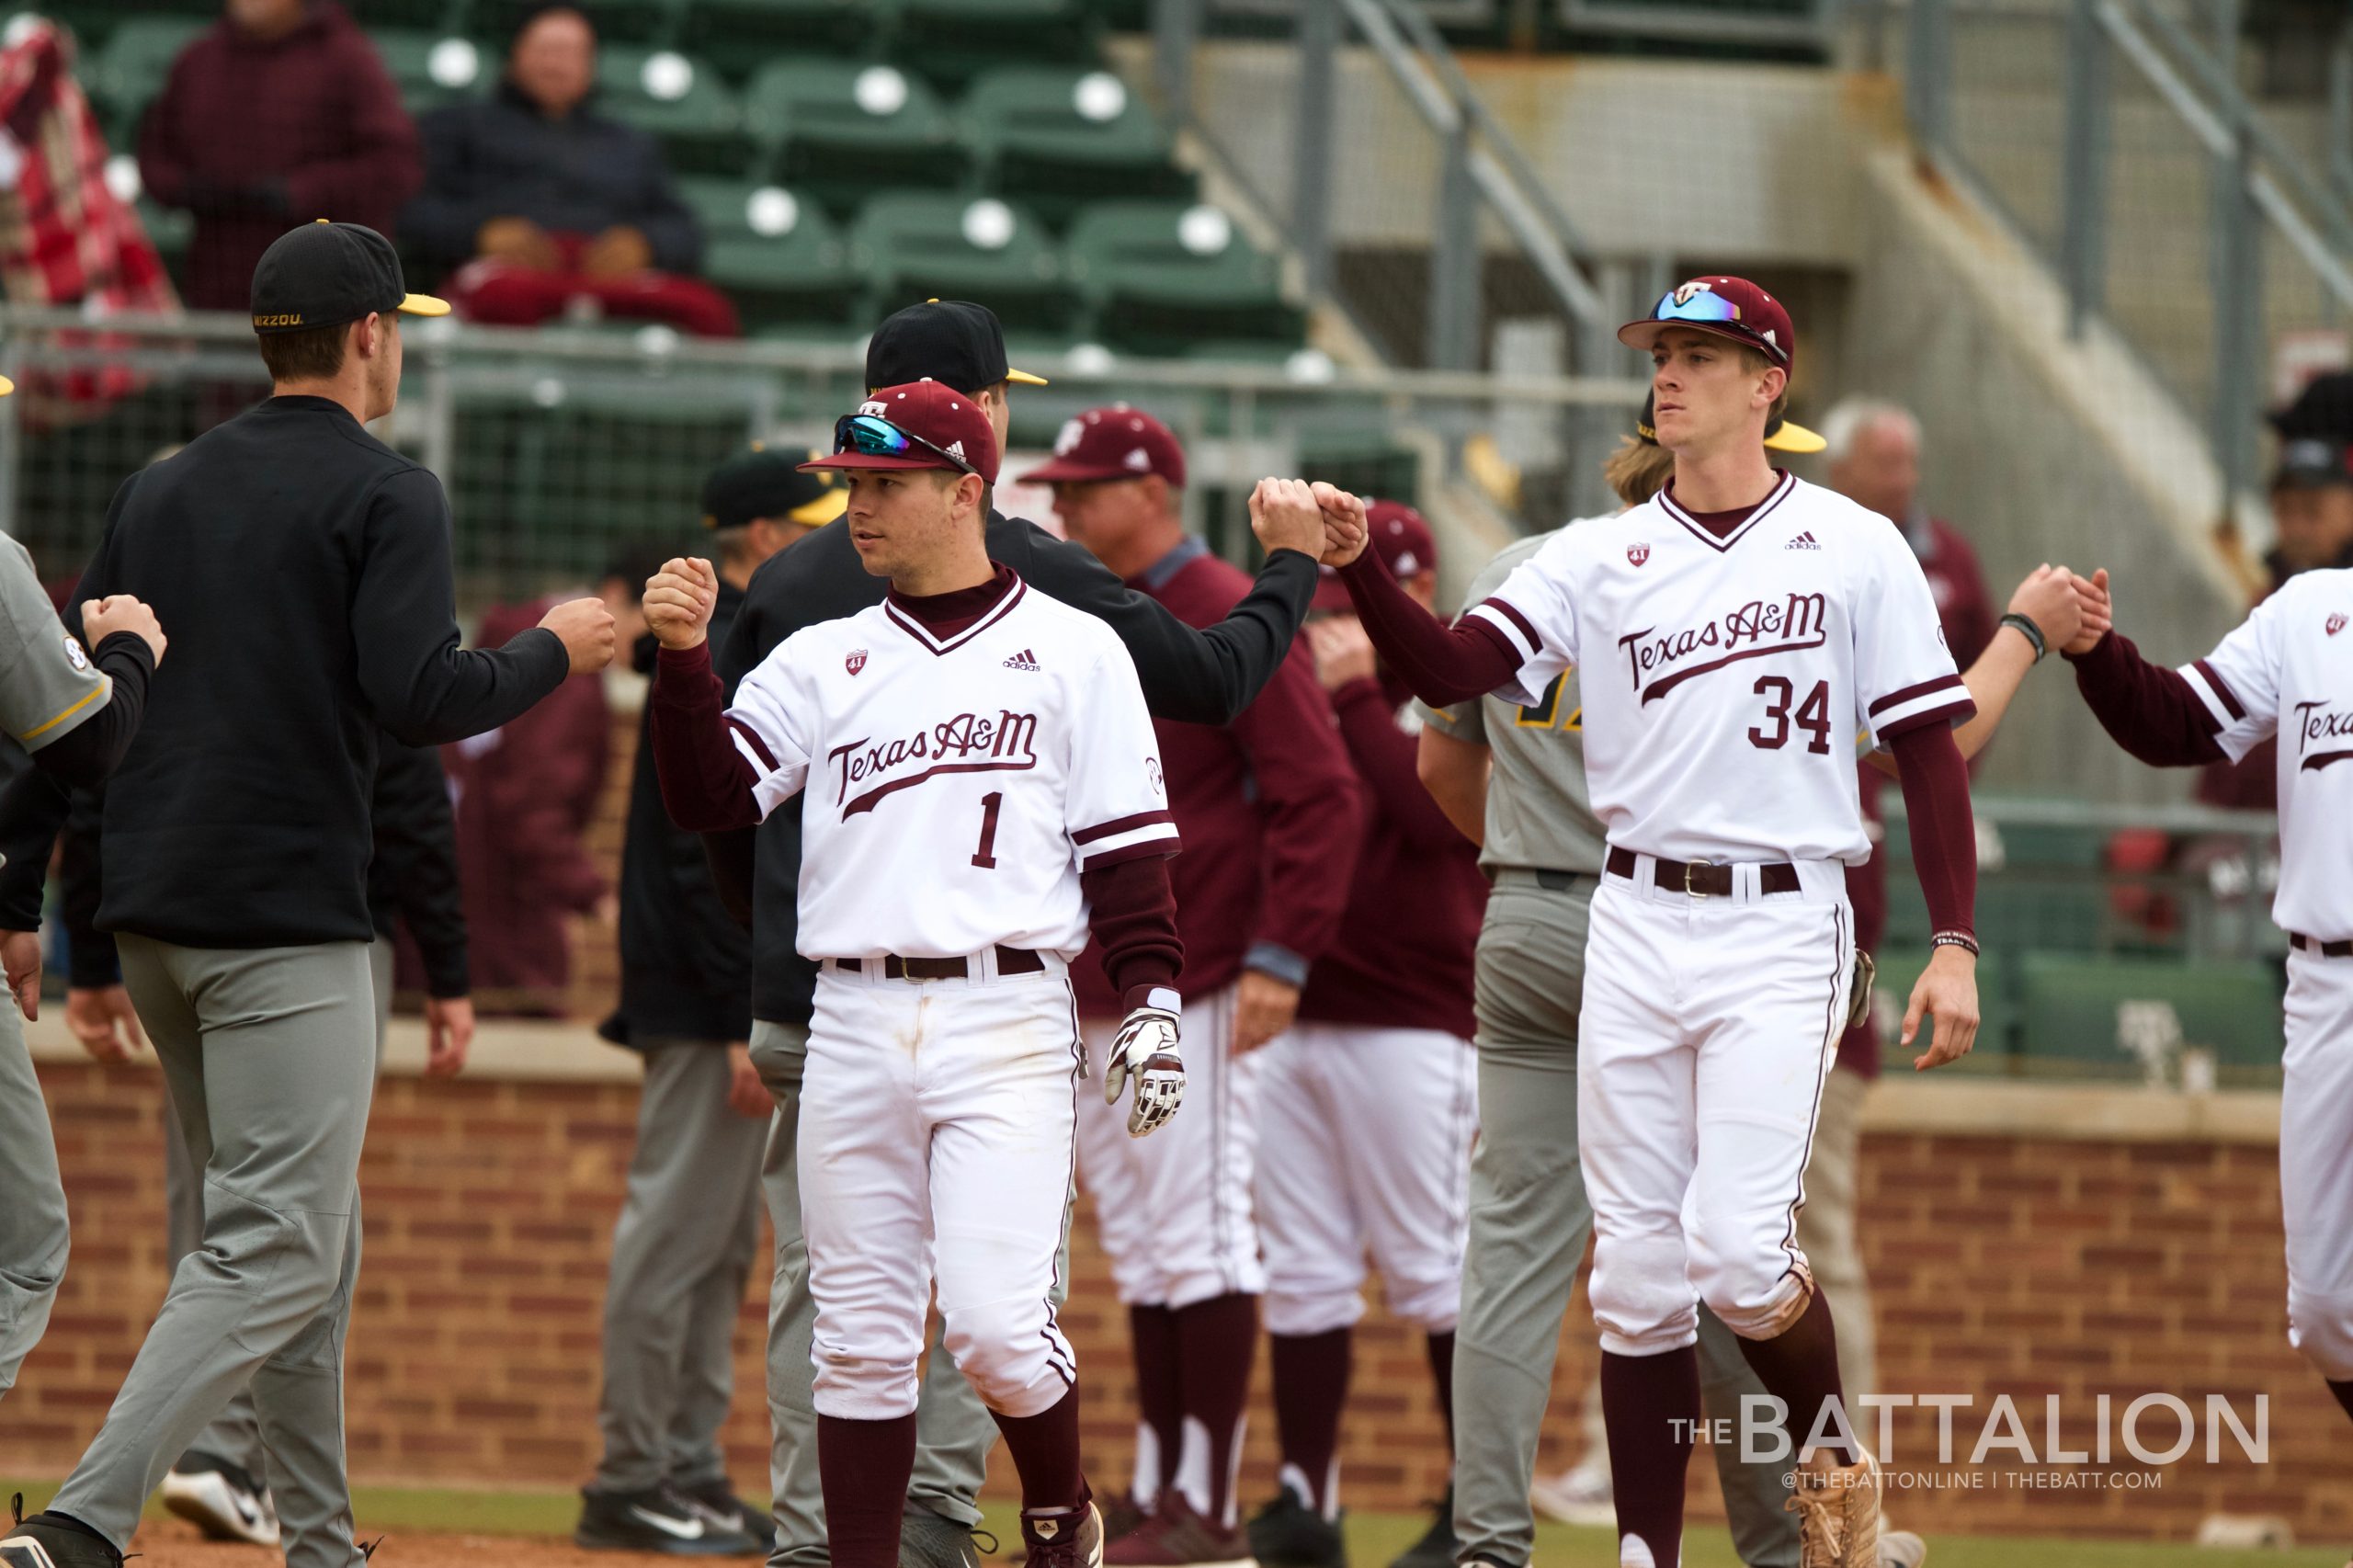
[
  {"x": 1709, "y": 1032},
  {"x": 1365, "y": 1144},
  {"x": 1175, "y": 1211},
  {"x": 936, "y": 1141},
  {"x": 2316, "y": 1160}
]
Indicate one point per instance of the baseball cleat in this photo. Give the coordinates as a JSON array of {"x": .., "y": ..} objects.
[
  {"x": 53, "y": 1540},
  {"x": 931, "y": 1541},
  {"x": 1901, "y": 1548},
  {"x": 1063, "y": 1538},
  {"x": 1838, "y": 1510},
  {"x": 1121, "y": 1514},
  {"x": 1439, "y": 1543},
  {"x": 226, "y": 1501},
  {"x": 1176, "y": 1536},
  {"x": 723, "y": 1507},
  {"x": 1578, "y": 1495},
  {"x": 659, "y": 1519},
  {"x": 1289, "y": 1533}
]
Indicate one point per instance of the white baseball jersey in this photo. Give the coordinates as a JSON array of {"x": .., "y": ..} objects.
[
  {"x": 1723, "y": 679},
  {"x": 954, "y": 788},
  {"x": 2288, "y": 670}
]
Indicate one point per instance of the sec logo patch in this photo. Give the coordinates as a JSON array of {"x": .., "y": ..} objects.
[
  {"x": 2336, "y": 624},
  {"x": 855, "y": 661},
  {"x": 81, "y": 661},
  {"x": 1638, "y": 553}
]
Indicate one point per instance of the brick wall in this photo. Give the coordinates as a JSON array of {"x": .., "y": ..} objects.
[{"x": 2003, "y": 1264}]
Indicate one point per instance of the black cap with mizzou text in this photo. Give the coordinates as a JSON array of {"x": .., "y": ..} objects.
[
  {"x": 326, "y": 273},
  {"x": 954, "y": 342}
]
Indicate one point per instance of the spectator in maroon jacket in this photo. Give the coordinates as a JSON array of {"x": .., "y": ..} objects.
[
  {"x": 1874, "y": 456},
  {"x": 526, "y": 795},
  {"x": 1370, "y": 1104},
  {"x": 545, "y": 205},
  {"x": 279, "y": 113},
  {"x": 1259, "y": 893}
]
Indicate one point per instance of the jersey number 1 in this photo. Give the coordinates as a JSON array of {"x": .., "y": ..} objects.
[
  {"x": 1812, "y": 715},
  {"x": 985, "y": 857}
]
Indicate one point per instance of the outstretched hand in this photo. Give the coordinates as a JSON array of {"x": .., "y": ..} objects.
[
  {"x": 2098, "y": 612},
  {"x": 680, "y": 602},
  {"x": 1284, "y": 515},
  {"x": 2048, "y": 598},
  {"x": 1946, "y": 994}
]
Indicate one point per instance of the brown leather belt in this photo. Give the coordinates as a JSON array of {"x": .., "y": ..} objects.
[
  {"x": 1009, "y": 961},
  {"x": 2303, "y": 944},
  {"x": 1702, "y": 880}
]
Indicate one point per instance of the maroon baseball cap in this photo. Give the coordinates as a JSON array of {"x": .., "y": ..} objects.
[
  {"x": 1729, "y": 307},
  {"x": 1398, "y": 536},
  {"x": 921, "y": 424},
  {"x": 1118, "y": 442}
]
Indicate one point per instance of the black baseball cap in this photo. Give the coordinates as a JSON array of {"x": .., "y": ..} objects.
[
  {"x": 2313, "y": 462},
  {"x": 326, "y": 273},
  {"x": 762, "y": 482},
  {"x": 954, "y": 342}
]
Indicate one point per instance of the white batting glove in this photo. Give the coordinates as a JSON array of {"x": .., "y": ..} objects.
[{"x": 1146, "y": 1049}]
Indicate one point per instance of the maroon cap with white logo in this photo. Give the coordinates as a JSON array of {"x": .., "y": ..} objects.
[
  {"x": 1729, "y": 307},
  {"x": 1399, "y": 537},
  {"x": 1118, "y": 442},
  {"x": 924, "y": 423}
]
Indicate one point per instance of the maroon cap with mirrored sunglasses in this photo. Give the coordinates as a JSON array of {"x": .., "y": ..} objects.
[
  {"x": 1728, "y": 307},
  {"x": 921, "y": 424}
]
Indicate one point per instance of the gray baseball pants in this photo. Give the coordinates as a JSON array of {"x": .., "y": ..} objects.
[
  {"x": 236, "y": 1434},
  {"x": 1529, "y": 1222},
  {"x": 955, "y": 1429},
  {"x": 32, "y": 1221},
  {"x": 269, "y": 1056},
  {"x": 682, "y": 1251}
]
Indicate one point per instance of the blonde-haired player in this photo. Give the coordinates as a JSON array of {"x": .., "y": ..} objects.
[{"x": 1734, "y": 632}]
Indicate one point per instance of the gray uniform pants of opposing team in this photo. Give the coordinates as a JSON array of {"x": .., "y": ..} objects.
[
  {"x": 1529, "y": 1220},
  {"x": 955, "y": 1429},
  {"x": 32, "y": 1221},
  {"x": 269, "y": 1057}
]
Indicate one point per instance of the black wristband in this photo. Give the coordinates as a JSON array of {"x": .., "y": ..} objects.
[{"x": 2030, "y": 631}]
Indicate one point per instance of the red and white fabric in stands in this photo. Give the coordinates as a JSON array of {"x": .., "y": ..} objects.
[{"x": 65, "y": 238}]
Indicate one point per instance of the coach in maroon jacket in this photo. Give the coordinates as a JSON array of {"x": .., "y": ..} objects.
[
  {"x": 279, "y": 113},
  {"x": 1369, "y": 1106},
  {"x": 1260, "y": 893}
]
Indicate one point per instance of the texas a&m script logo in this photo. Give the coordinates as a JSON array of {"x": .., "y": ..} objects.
[
  {"x": 2322, "y": 722},
  {"x": 1754, "y": 631},
  {"x": 966, "y": 744}
]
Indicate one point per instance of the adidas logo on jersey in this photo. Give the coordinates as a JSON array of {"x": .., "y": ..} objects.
[
  {"x": 1024, "y": 660},
  {"x": 1803, "y": 541}
]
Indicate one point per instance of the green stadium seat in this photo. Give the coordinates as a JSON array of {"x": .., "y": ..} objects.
[
  {"x": 1059, "y": 137},
  {"x": 951, "y": 41},
  {"x": 1161, "y": 276},
  {"x": 441, "y": 17},
  {"x": 641, "y": 22},
  {"x": 2074, "y": 1010},
  {"x": 682, "y": 101},
  {"x": 778, "y": 256},
  {"x": 130, "y": 70},
  {"x": 741, "y": 36},
  {"x": 840, "y": 130},
  {"x": 432, "y": 69},
  {"x": 915, "y": 246}
]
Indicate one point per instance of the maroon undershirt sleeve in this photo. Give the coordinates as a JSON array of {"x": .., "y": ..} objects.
[
  {"x": 1442, "y": 664},
  {"x": 2148, "y": 709},
  {"x": 1132, "y": 908},
  {"x": 1944, "y": 835},
  {"x": 706, "y": 782}
]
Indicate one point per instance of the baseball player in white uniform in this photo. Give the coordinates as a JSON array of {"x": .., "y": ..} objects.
[
  {"x": 2288, "y": 671},
  {"x": 980, "y": 789},
  {"x": 1733, "y": 633}
]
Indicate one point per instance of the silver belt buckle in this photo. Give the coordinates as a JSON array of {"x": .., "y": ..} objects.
[{"x": 1689, "y": 867}]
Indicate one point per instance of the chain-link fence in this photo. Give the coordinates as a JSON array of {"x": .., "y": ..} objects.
[{"x": 557, "y": 447}]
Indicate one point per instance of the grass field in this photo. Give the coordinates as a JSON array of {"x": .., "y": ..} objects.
[{"x": 1373, "y": 1539}]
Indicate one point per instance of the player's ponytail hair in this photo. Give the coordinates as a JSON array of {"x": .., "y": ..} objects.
[{"x": 1638, "y": 470}]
